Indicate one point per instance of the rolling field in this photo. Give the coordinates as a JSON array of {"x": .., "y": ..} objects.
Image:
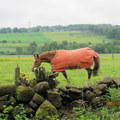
[
  {"x": 109, "y": 67},
  {"x": 24, "y": 39}
]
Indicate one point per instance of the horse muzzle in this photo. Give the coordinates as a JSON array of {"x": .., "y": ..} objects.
[{"x": 34, "y": 69}]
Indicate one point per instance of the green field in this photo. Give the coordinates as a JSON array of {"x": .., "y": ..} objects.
[
  {"x": 109, "y": 67},
  {"x": 24, "y": 39}
]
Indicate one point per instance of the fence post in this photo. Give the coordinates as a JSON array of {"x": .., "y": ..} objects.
[{"x": 17, "y": 75}]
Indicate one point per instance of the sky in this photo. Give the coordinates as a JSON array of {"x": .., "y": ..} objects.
[{"x": 29, "y": 13}]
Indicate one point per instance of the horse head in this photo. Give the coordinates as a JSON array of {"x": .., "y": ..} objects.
[{"x": 37, "y": 62}]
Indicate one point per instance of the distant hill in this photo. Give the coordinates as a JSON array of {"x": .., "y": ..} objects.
[{"x": 9, "y": 42}]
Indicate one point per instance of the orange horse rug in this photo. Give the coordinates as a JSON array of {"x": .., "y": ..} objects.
[{"x": 73, "y": 59}]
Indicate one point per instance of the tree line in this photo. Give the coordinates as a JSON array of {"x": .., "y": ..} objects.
[
  {"x": 34, "y": 48},
  {"x": 110, "y": 31}
]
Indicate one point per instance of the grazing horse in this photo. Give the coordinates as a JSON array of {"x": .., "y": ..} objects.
[{"x": 62, "y": 60}]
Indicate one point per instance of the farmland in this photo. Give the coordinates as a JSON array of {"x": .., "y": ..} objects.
[{"x": 24, "y": 39}]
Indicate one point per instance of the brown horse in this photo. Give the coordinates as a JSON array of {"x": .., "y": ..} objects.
[{"x": 62, "y": 60}]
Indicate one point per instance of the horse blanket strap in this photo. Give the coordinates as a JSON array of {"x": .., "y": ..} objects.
[{"x": 73, "y": 59}]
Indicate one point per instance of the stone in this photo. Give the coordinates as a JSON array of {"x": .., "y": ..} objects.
[
  {"x": 52, "y": 83},
  {"x": 66, "y": 98},
  {"x": 69, "y": 87},
  {"x": 75, "y": 93},
  {"x": 2, "y": 98},
  {"x": 7, "y": 89},
  {"x": 41, "y": 87},
  {"x": 102, "y": 87},
  {"x": 45, "y": 109},
  {"x": 78, "y": 103},
  {"x": 33, "y": 105},
  {"x": 38, "y": 99},
  {"x": 106, "y": 80},
  {"x": 88, "y": 96},
  {"x": 116, "y": 80},
  {"x": 87, "y": 88},
  {"x": 41, "y": 74},
  {"x": 29, "y": 111},
  {"x": 98, "y": 92},
  {"x": 24, "y": 93},
  {"x": 55, "y": 98},
  {"x": 64, "y": 90},
  {"x": 33, "y": 83}
]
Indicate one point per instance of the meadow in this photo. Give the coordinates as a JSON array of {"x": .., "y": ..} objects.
[{"x": 109, "y": 67}]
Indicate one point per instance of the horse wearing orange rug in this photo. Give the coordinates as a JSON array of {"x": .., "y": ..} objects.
[{"x": 62, "y": 60}]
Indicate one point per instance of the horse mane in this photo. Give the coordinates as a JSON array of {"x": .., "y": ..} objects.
[{"x": 47, "y": 53}]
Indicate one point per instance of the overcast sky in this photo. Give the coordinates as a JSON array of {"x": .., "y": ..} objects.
[{"x": 25, "y": 13}]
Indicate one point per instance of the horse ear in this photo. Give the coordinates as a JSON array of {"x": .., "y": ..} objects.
[
  {"x": 34, "y": 55},
  {"x": 37, "y": 56}
]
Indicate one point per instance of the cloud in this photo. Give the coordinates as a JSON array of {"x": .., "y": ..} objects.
[{"x": 58, "y": 12}]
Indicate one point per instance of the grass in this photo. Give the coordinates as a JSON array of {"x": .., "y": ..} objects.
[{"x": 109, "y": 67}]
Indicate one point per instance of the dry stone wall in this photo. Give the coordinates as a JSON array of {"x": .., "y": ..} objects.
[{"x": 41, "y": 97}]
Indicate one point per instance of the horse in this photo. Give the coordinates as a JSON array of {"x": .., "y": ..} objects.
[{"x": 62, "y": 60}]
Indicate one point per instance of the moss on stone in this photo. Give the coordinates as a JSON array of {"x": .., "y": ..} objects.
[
  {"x": 33, "y": 105},
  {"x": 41, "y": 87},
  {"x": 38, "y": 99},
  {"x": 7, "y": 89},
  {"x": 45, "y": 109},
  {"x": 55, "y": 98},
  {"x": 24, "y": 93}
]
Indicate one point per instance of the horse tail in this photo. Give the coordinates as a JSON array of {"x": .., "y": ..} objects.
[{"x": 96, "y": 66}]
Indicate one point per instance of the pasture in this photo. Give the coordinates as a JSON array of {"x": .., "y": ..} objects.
[{"x": 78, "y": 77}]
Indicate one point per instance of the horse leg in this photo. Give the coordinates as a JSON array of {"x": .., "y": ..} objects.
[
  {"x": 65, "y": 75},
  {"x": 89, "y": 70}
]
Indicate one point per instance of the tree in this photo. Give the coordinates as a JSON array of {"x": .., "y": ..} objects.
[
  {"x": 19, "y": 50},
  {"x": 32, "y": 48}
]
